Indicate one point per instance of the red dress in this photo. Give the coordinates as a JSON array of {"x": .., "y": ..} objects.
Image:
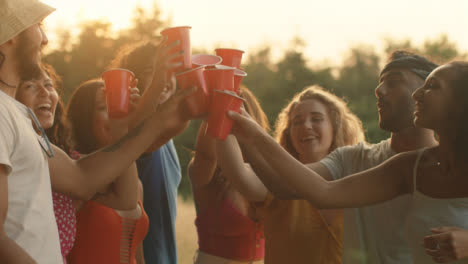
[{"x": 104, "y": 237}]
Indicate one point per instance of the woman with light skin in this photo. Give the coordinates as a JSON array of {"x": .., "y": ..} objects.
[
  {"x": 41, "y": 94},
  {"x": 435, "y": 176},
  {"x": 313, "y": 124},
  {"x": 124, "y": 229},
  {"x": 229, "y": 231},
  {"x": 104, "y": 234},
  {"x": 158, "y": 169}
]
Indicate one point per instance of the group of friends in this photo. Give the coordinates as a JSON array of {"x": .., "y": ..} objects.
[{"x": 77, "y": 186}]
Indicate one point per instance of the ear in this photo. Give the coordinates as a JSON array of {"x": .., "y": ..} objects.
[{"x": 7, "y": 47}]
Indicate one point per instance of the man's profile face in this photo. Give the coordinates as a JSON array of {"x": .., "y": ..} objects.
[
  {"x": 394, "y": 102},
  {"x": 28, "y": 51}
]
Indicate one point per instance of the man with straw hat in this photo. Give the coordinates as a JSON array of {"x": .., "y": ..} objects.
[{"x": 28, "y": 230}]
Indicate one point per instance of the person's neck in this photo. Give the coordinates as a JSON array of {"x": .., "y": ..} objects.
[
  {"x": 9, "y": 78},
  {"x": 412, "y": 138},
  {"x": 446, "y": 155}
]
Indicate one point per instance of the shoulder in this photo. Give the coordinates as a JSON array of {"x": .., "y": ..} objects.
[
  {"x": 403, "y": 162},
  {"x": 351, "y": 150}
]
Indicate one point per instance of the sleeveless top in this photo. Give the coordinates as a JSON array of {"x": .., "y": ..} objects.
[
  {"x": 224, "y": 232},
  {"x": 104, "y": 237},
  {"x": 427, "y": 212},
  {"x": 65, "y": 216}
]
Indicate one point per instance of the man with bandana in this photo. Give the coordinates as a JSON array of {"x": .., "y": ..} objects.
[
  {"x": 372, "y": 234},
  {"x": 375, "y": 234}
]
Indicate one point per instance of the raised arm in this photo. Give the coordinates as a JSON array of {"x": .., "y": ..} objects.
[
  {"x": 10, "y": 252},
  {"x": 150, "y": 98},
  {"x": 123, "y": 193},
  {"x": 241, "y": 175},
  {"x": 203, "y": 165},
  {"x": 92, "y": 173},
  {"x": 372, "y": 186},
  {"x": 262, "y": 170}
]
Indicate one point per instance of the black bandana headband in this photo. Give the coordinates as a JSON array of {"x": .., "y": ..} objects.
[{"x": 416, "y": 64}]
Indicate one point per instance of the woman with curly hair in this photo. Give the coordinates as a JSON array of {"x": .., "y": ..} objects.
[{"x": 312, "y": 125}]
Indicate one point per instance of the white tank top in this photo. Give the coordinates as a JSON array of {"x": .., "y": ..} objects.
[{"x": 426, "y": 213}]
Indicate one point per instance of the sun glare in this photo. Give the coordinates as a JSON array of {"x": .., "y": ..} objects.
[{"x": 328, "y": 31}]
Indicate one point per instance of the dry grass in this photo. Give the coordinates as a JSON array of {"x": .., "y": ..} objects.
[{"x": 186, "y": 233}]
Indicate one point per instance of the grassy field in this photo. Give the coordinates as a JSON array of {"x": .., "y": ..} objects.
[{"x": 186, "y": 233}]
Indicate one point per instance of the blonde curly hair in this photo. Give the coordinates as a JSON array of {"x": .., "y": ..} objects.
[{"x": 347, "y": 127}]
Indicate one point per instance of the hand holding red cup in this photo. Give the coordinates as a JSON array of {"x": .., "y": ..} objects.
[
  {"x": 219, "y": 124},
  {"x": 117, "y": 83}
]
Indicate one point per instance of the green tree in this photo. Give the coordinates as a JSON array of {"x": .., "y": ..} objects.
[{"x": 357, "y": 80}]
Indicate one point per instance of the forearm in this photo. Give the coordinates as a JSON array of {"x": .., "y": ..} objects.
[
  {"x": 241, "y": 175},
  {"x": 284, "y": 175},
  {"x": 10, "y": 252},
  {"x": 97, "y": 170},
  {"x": 205, "y": 145},
  {"x": 147, "y": 104},
  {"x": 120, "y": 155},
  {"x": 203, "y": 165},
  {"x": 381, "y": 183},
  {"x": 271, "y": 178}
]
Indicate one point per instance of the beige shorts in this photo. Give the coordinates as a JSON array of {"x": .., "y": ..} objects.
[{"x": 203, "y": 258}]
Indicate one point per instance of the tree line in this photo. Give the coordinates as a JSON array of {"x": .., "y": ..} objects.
[{"x": 274, "y": 82}]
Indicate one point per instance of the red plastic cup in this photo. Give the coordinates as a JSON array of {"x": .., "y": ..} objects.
[
  {"x": 238, "y": 77},
  {"x": 205, "y": 60},
  {"x": 219, "y": 78},
  {"x": 197, "y": 103},
  {"x": 116, "y": 83},
  {"x": 231, "y": 57},
  {"x": 219, "y": 124},
  {"x": 183, "y": 35}
]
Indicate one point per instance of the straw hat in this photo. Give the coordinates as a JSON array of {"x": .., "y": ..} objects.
[{"x": 18, "y": 15}]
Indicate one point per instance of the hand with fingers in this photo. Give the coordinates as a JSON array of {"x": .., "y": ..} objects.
[
  {"x": 163, "y": 64},
  {"x": 245, "y": 128},
  {"x": 159, "y": 82},
  {"x": 173, "y": 113},
  {"x": 447, "y": 244}
]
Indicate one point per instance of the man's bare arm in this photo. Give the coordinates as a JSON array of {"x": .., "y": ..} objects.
[{"x": 97, "y": 170}]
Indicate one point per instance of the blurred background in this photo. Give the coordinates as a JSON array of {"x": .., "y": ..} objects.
[{"x": 289, "y": 45}]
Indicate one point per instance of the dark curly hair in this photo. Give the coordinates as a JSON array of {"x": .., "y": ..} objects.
[
  {"x": 59, "y": 134},
  {"x": 136, "y": 58}
]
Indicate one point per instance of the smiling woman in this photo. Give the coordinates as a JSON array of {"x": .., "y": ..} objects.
[{"x": 41, "y": 94}]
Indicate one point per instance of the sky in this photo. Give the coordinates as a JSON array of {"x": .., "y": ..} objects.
[{"x": 329, "y": 27}]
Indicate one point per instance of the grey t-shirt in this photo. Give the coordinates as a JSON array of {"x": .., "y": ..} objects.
[{"x": 372, "y": 234}]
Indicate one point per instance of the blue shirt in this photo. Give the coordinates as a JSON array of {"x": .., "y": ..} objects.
[{"x": 159, "y": 173}]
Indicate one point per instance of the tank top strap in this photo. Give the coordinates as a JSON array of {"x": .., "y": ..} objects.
[{"x": 416, "y": 165}]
